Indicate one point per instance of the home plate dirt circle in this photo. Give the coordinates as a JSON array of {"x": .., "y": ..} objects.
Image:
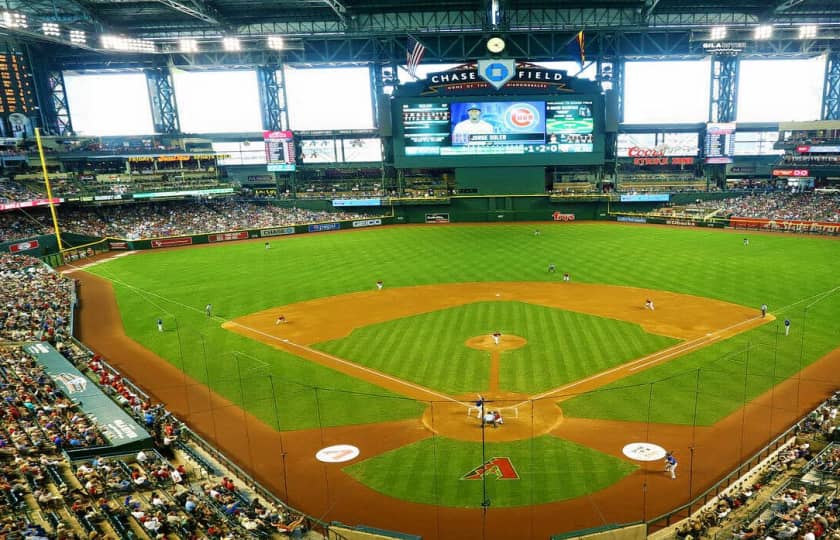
[{"x": 523, "y": 419}]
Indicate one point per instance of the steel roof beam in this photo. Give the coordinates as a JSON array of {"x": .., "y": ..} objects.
[
  {"x": 651, "y": 5},
  {"x": 785, "y": 5},
  {"x": 195, "y": 8},
  {"x": 338, "y": 8}
]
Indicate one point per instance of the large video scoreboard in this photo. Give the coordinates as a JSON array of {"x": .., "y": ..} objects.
[{"x": 534, "y": 130}]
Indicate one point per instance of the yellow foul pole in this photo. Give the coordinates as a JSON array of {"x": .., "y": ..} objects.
[{"x": 49, "y": 189}]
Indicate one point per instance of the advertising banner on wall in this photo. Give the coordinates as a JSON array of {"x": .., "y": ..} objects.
[
  {"x": 282, "y": 231},
  {"x": 437, "y": 218},
  {"x": 320, "y": 227},
  {"x": 646, "y": 197},
  {"x": 793, "y": 225},
  {"x": 366, "y": 223},
  {"x": 227, "y": 237},
  {"x": 24, "y": 246},
  {"x": 172, "y": 242}
]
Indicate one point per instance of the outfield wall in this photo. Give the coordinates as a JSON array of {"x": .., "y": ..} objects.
[{"x": 458, "y": 209}]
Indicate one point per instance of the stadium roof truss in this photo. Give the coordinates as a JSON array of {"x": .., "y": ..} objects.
[{"x": 338, "y": 31}]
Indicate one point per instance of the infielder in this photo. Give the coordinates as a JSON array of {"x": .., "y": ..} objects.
[{"x": 671, "y": 465}]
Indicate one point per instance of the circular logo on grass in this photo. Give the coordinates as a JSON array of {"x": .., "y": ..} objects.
[
  {"x": 338, "y": 453},
  {"x": 644, "y": 451}
]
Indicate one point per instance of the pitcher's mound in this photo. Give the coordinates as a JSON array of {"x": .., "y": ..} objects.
[{"x": 507, "y": 342}]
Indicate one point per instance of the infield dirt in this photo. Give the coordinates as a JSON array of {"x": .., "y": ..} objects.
[{"x": 285, "y": 461}]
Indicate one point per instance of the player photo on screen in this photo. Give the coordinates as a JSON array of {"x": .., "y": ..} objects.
[{"x": 498, "y": 123}]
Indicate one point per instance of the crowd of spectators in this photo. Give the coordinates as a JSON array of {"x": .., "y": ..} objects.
[
  {"x": 153, "y": 220},
  {"x": 47, "y": 421},
  {"x": 35, "y": 301},
  {"x": 16, "y": 192},
  {"x": 810, "y": 206},
  {"x": 167, "y": 491}
]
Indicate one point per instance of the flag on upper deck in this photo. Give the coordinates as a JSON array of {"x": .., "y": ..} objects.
[
  {"x": 581, "y": 48},
  {"x": 414, "y": 54}
]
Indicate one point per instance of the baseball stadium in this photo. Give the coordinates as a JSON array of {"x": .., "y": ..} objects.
[{"x": 420, "y": 270}]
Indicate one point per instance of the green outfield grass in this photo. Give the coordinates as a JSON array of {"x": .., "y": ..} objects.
[
  {"x": 429, "y": 349},
  {"x": 431, "y": 471},
  {"x": 243, "y": 278}
]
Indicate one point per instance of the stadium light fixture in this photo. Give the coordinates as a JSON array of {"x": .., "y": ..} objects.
[
  {"x": 78, "y": 37},
  {"x": 765, "y": 31},
  {"x": 13, "y": 19},
  {"x": 275, "y": 42},
  {"x": 120, "y": 43},
  {"x": 808, "y": 31},
  {"x": 188, "y": 45},
  {"x": 50, "y": 29},
  {"x": 718, "y": 33},
  {"x": 231, "y": 44}
]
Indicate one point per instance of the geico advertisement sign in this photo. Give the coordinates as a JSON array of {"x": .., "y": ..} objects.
[{"x": 367, "y": 223}]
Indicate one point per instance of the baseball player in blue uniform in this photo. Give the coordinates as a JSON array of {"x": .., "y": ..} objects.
[{"x": 671, "y": 465}]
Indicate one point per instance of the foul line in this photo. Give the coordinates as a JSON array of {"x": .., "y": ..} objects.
[
  {"x": 640, "y": 363},
  {"x": 676, "y": 350},
  {"x": 347, "y": 363},
  {"x": 296, "y": 345}
]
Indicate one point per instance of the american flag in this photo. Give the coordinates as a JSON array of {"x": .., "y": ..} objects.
[{"x": 414, "y": 54}]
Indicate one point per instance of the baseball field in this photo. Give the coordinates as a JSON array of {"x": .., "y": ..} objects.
[{"x": 582, "y": 367}]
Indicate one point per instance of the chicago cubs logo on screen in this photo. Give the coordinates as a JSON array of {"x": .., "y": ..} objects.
[{"x": 522, "y": 117}]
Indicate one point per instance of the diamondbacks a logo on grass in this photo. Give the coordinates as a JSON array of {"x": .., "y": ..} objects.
[{"x": 499, "y": 467}]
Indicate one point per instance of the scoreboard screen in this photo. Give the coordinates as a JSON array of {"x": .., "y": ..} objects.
[
  {"x": 279, "y": 150},
  {"x": 18, "y": 95},
  {"x": 467, "y": 133},
  {"x": 719, "y": 146}
]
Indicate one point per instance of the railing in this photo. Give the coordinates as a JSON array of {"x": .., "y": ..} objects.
[{"x": 665, "y": 520}]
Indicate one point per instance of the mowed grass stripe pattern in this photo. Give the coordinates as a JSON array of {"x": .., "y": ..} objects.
[
  {"x": 431, "y": 471},
  {"x": 283, "y": 390},
  {"x": 241, "y": 278},
  {"x": 721, "y": 378},
  {"x": 429, "y": 349}
]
